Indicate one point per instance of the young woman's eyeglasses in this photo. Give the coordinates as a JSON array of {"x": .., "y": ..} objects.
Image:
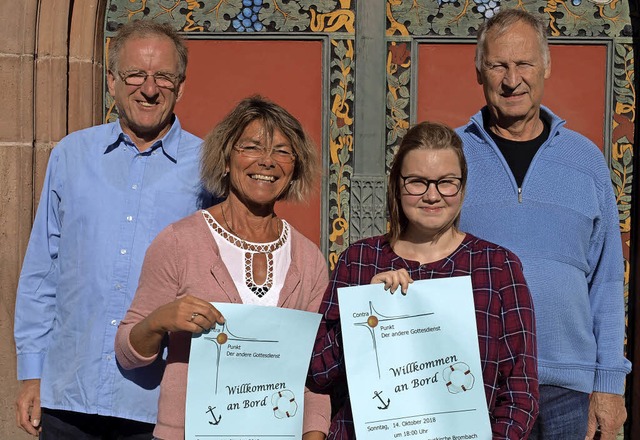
[
  {"x": 164, "y": 80},
  {"x": 416, "y": 186},
  {"x": 279, "y": 154}
]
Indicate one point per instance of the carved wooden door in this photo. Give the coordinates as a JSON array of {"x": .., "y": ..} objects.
[{"x": 358, "y": 73}]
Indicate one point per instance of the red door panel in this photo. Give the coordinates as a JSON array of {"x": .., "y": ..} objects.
[
  {"x": 222, "y": 72},
  {"x": 449, "y": 92}
]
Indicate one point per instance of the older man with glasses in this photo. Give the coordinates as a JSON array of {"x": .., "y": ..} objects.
[
  {"x": 545, "y": 192},
  {"x": 108, "y": 191}
]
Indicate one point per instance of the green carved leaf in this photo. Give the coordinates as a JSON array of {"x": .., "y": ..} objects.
[
  {"x": 337, "y": 75},
  {"x": 625, "y": 198},
  {"x": 401, "y": 103},
  {"x": 325, "y": 6},
  {"x": 401, "y": 115},
  {"x": 625, "y": 99},
  {"x": 629, "y": 56},
  {"x": 216, "y": 16},
  {"x": 285, "y": 17},
  {"x": 393, "y": 81},
  {"x": 405, "y": 77},
  {"x": 343, "y": 155},
  {"x": 620, "y": 82},
  {"x": 390, "y": 100},
  {"x": 340, "y": 50},
  {"x": 617, "y": 166},
  {"x": 391, "y": 136},
  {"x": 616, "y": 179},
  {"x": 620, "y": 50},
  {"x": 389, "y": 159}
]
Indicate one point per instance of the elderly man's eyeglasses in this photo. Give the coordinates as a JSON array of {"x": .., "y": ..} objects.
[
  {"x": 164, "y": 80},
  {"x": 279, "y": 154},
  {"x": 447, "y": 186}
]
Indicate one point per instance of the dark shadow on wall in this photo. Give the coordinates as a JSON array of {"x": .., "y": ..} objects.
[{"x": 632, "y": 426}]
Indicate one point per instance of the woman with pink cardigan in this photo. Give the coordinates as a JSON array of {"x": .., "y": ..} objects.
[{"x": 238, "y": 251}]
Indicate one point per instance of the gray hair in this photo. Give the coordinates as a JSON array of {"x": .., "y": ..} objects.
[
  {"x": 145, "y": 29},
  {"x": 502, "y": 21}
]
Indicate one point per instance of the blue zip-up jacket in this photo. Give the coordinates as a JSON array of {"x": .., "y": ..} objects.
[{"x": 563, "y": 224}]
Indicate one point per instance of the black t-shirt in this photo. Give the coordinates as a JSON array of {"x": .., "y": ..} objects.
[{"x": 518, "y": 154}]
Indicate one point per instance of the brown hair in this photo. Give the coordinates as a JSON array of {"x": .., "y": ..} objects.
[
  {"x": 502, "y": 21},
  {"x": 146, "y": 29},
  {"x": 217, "y": 146},
  {"x": 423, "y": 136}
]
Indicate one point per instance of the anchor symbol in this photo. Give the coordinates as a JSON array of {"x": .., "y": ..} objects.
[
  {"x": 384, "y": 405},
  {"x": 215, "y": 421}
]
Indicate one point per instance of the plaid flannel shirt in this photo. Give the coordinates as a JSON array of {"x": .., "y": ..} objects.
[{"x": 504, "y": 317}]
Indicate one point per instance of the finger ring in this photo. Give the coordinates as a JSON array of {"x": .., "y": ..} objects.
[{"x": 193, "y": 316}]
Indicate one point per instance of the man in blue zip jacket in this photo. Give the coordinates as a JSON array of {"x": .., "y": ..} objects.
[
  {"x": 108, "y": 191},
  {"x": 544, "y": 192}
]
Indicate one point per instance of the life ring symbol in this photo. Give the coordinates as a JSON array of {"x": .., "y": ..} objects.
[
  {"x": 284, "y": 404},
  {"x": 458, "y": 378}
]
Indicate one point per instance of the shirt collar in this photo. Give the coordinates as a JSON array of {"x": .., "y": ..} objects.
[{"x": 169, "y": 142}]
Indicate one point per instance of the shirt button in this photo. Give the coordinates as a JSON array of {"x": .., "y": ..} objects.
[
  {"x": 123, "y": 251},
  {"x": 108, "y": 357},
  {"x": 118, "y": 286},
  {"x": 114, "y": 322},
  {"x": 134, "y": 186},
  {"x": 129, "y": 218}
]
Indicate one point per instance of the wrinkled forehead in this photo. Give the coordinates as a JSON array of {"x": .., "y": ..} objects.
[
  {"x": 138, "y": 52},
  {"x": 516, "y": 34}
]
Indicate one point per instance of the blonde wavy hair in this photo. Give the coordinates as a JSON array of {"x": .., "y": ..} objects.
[{"x": 219, "y": 142}]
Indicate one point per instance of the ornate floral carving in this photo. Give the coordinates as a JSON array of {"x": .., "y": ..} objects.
[
  {"x": 579, "y": 18},
  {"x": 398, "y": 95},
  {"x": 210, "y": 16},
  {"x": 340, "y": 146}
]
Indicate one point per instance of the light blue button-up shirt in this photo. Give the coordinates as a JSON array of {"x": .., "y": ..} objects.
[{"x": 102, "y": 203}]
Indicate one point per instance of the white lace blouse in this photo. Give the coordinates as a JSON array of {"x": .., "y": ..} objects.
[{"x": 238, "y": 254}]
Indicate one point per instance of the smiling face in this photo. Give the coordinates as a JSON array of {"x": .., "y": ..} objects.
[
  {"x": 430, "y": 214},
  {"x": 259, "y": 181},
  {"x": 145, "y": 111},
  {"x": 512, "y": 75}
]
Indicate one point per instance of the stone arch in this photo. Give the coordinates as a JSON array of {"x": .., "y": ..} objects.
[{"x": 51, "y": 77}]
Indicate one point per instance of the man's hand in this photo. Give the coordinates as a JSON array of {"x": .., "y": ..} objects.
[
  {"x": 608, "y": 412},
  {"x": 28, "y": 406},
  {"x": 313, "y": 435}
]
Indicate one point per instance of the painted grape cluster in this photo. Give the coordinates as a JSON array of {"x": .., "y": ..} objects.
[
  {"x": 247, "y": 18},
  {"x": 488, "y": 8}
]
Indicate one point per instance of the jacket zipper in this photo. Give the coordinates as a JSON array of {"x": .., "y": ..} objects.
[{"x": 519, "y": 195}]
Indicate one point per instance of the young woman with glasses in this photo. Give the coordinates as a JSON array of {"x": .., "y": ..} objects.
[{"x": 424, "y": 195}]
